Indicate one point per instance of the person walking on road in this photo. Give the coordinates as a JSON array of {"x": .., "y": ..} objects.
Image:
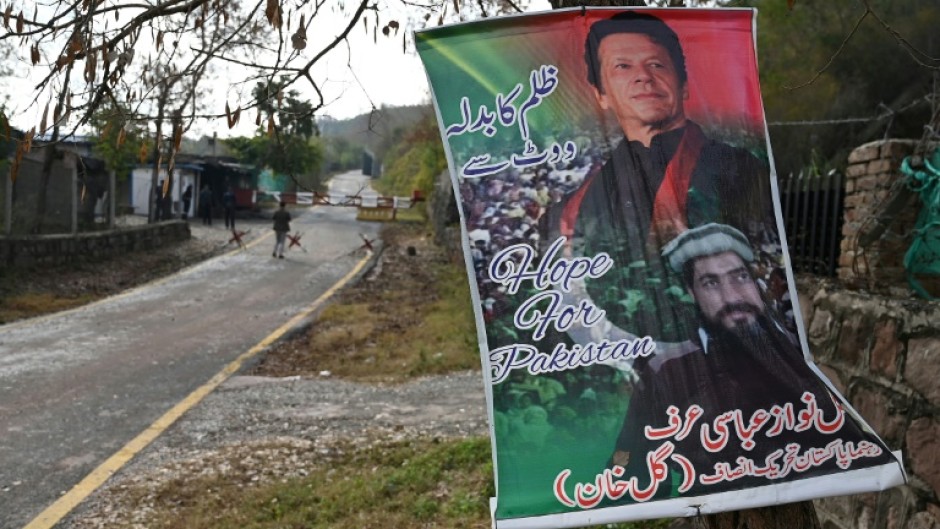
[
  {"x": 228, "y": 201},
  {"x": 205, "y": 205},
  {"x": 187, "y": 200},
  {"x": 281, "y": 228}
]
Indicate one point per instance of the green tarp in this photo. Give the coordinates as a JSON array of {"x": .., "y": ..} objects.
[{"x": 923, "y": 257}]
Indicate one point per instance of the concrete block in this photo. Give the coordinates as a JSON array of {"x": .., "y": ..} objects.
[
  {"x": 834, "y": 376},
  {"x": 923, "y": 520},
  {"x": 880, "y": 166},
  {"x": 853, "y": 340},
  {"x": 885, "y": 412},
  {"x": 854, "y": 171},
  {"x": 886, "y": 350},
  {"x": 839, "y": 508},
  {"x": 895, "y": 150},
  {"x": 806, "y": 307},
  {"x": 870, "y": 182},
  {"x": 922, "y": 368},
  {"x": 866, "y": 152},
  {"x": 821, "y": 327},
  {"x": 923, "y": 450},
  {"x": 856, "y": 200}
]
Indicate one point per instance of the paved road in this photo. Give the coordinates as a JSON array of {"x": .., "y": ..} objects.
[{"x": 76, "y": 387}]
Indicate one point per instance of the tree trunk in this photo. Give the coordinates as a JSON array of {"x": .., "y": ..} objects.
[
  {"x": 112, "y": 200},
  {"x": 49, "y": 158},
  {"x": 801, "y": 515},
  {"x": 9, "y": 200},
  {"x": 156, "y": 192},
  {"x": 45, "y": 176}
]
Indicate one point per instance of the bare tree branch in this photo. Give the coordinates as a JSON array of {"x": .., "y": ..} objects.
[
  {"x": 920, "y": 57},
  {"x": 139, "y": 57},
  {"x": 832, "y": 58}
]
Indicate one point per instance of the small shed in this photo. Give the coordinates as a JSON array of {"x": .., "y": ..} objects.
[
  {"x": 217, "y": 172},
  {"x": 220, "y": 174},
  {"x": 141, "y": 189}
]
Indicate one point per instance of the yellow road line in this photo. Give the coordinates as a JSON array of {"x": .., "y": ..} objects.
[{"x": 64, "y": 505}]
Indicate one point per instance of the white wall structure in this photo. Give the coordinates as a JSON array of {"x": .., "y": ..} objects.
[{"x": 183, "y": 176}]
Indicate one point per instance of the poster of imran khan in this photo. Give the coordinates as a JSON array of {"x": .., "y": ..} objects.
[{"x": 642, "y": 346}]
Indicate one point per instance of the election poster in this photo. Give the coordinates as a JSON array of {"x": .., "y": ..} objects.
[{"x": 639, "y": 330}]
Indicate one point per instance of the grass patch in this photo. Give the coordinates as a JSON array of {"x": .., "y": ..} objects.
[
  {"x": 414, "y": 214},
  {"x": 21, "y": 297},
  {"x": 400, "y": 484},
  {"x": 412, "y": 318},
  {"x": 446, "y": 339},
  {"x": 400, "y": 335},
  {"x": 390, "y": 485},
  {"x": 30, "y": 304}
]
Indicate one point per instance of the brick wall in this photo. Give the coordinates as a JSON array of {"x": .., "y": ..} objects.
[
  {"x": 884, "y": 356},
  {"x": 57, "y": 249}
]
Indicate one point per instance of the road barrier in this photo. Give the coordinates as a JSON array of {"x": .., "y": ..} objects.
[{"x": 379, "y": 214}]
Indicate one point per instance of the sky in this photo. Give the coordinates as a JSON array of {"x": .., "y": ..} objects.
[
  {"x": 353, "y": 78},
  {"x": 381, "y": 73}
]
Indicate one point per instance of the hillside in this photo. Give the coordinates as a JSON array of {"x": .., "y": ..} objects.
[{"x": 376, "y": 130}]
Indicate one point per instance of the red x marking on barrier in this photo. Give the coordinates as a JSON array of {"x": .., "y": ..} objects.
[
  {"x": 294, "y": 240},
  {"x": 237, "y": 238},
  {"x": 367, "y": 244}
]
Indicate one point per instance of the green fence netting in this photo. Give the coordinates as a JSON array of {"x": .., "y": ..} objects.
[{"x": 923, "y": 257}]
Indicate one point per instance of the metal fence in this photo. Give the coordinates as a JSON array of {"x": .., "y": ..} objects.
[{"x": 812, "y": 207}]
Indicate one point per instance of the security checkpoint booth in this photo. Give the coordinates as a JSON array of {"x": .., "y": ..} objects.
[{"x": 216, "y": 173}]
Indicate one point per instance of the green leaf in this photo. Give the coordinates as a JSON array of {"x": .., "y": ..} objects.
[
  {"x": 679, "y": 293},
  {"x": 632, "y": 302}
]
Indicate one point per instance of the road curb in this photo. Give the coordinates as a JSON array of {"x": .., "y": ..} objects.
[{"x": 304, "y": 325}]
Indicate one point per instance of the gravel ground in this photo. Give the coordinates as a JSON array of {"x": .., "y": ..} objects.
[
  {"x": 254, "y": 429},
  {"x": 258, "y": 429}
]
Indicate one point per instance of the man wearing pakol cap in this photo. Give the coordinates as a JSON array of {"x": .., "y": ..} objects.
[{"x": 744, "y": 362}]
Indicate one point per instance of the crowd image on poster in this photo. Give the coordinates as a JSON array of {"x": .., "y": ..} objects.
[{"x": 640, "y": 345}]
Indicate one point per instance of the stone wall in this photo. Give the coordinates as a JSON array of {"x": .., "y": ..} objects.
[
  {"x": 872, "y": 171},
  {"x": 57, "y": 249},
  {"x": 884, "y": 355},
  {"x": 880, "y": 346}
]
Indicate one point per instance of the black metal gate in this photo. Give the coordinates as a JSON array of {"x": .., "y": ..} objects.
[{"x": 812, "y": 207}]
